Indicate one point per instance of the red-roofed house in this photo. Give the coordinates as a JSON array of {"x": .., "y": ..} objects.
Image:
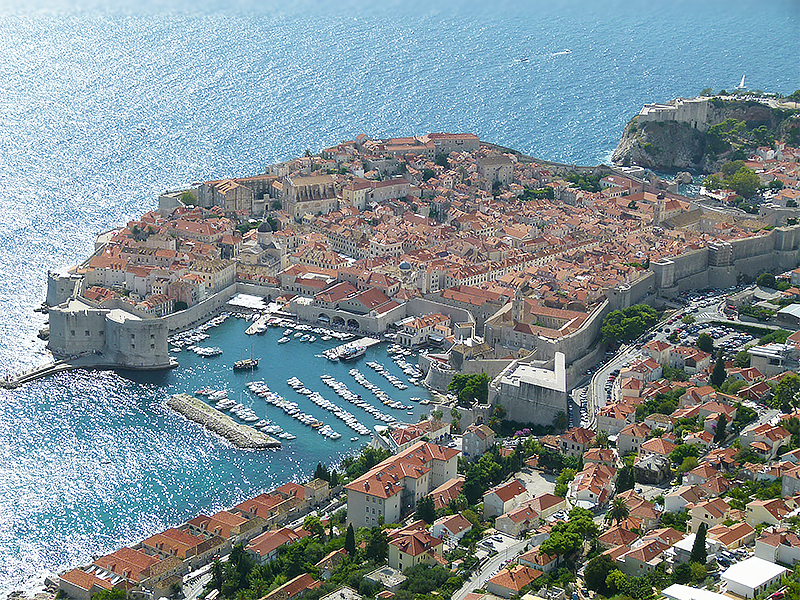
[
  {"x": 779, "y": 546},
  {"x": 536, "y": 559},
  {"x": 631, "y": 438},
  {"x": 413, "y": 549},
  {"x": 452, "y": 526},
  {"x": 575, "y": 441},
  {"x": 503, "y": 498},
  {"x": 81, "y": 585},
  {"x": 294, "y": 588},
  {"x": 509, "y": 582},
  {"x": 415, "y": 471}
]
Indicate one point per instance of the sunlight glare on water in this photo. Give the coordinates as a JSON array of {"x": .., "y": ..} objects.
[{"x": 104, "y": 106}]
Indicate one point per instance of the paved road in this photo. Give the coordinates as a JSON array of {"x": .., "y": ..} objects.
[
  {"x": 479, "y": 578},
  {"x": 596, "y": 398}
]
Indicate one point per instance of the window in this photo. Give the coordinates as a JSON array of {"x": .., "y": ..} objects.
[
  {"x": 86, "y": 333},
  {"x": 72, "y": 332}
]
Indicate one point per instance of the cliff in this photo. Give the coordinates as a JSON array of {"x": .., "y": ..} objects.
[{"x": 702, "y": 137}]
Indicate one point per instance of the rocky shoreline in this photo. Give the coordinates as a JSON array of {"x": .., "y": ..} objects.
[{"x": 241, "y": 436}]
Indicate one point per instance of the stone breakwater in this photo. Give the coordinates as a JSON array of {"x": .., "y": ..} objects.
[{"x": 239, "y": 435}]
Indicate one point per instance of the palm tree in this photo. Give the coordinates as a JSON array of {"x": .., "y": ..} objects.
[{"x": 619, "y": 510}]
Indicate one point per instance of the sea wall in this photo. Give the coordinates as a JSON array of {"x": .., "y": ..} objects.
[{"x": 241, "y": 436}]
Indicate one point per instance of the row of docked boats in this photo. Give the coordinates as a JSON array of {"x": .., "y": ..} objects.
[
  {"x": 347, "y": 353},
  {"x": 190, "y": 338},
  {"x": 244, "y": 413},
  {"x": 379, "y": 393},
  {"x": 344, "y": 393},
  {"x": 322, "y": 332},
  {"x": 348, "y": 418},
  {"x": 292, "y": 409},
  {"x": 384, "y": 372}
]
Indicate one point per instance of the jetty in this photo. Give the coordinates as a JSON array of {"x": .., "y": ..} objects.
[
  {"x": 241, "y": 436},
  {"x": 11, "y": 382},
  {"x": 258, "y": 326},
  {"x": 336, "y": 353}
]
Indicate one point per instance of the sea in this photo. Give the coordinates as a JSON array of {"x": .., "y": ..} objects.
[{"x": 105, "y": 105}]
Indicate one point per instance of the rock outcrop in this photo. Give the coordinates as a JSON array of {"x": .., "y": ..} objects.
[{"x": 672, "y": 145}]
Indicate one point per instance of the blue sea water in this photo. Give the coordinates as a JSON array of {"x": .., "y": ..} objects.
[{"x": 103, "y": 106}]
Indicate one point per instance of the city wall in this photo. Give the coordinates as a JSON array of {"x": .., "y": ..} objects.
[
  {"x": 200, "y": 312},
  {"x": 779, "y": 250}
]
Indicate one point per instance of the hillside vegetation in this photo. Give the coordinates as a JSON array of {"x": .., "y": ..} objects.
[{"x": 735, "y": 129}]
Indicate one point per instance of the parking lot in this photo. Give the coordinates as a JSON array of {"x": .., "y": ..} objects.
[{"x": 728, "y": 339}]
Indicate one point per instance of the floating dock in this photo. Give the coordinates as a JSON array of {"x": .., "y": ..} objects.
[
  {"x": 241, "y": 436},
  {"x": 335, "y": 353}
]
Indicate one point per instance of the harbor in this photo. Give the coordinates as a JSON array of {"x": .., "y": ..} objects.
[
  {"x": 301, "y": 385},
  {"x": 241, "y": 436}
]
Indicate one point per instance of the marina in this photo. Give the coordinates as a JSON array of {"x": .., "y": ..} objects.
[{"x": 299, "y": 392}]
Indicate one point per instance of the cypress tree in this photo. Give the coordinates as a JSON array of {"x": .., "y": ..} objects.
[
  {"x": 699, "y": 554},
  {"x": 719, "y": 434},
  {"x": 718, "y": 375},
  {"x": 350, "y": 541}
]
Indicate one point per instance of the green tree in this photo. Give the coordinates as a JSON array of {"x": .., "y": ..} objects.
[
  {"x": 625, "y": 479},
  {"x": 470, "y": 389},
  {"x": 719, "y": 374},
  {"x": 215, "y": 583},
  {"x": 596, "y": 572},
  {"x": 681, "y": 451},
  {"x": 744, "y": 182},
  {"x": 720, "y": 433},
  {"x": 628, "y": 324},
  {"x": 321, "y": 472},
  {"x": 377, "y": 545},
  {"x": 699, "y": 571},
  {"x": 767, "y": 280},
  {"x": 616, "y": 581},
  {"x": 682, "y": 573},
  {"x": 713, "y": 182},
  {"x": 705, "y": 342},
  {"x": 314, "y": 526},
  {"x": 426, "y": 510},
  {"x": 785, "y": 395},
  {"x": 687, "y": 319},
  {"x": 699, "y": 553},
  {"x": 350, "y": 541},
  {"x": 729, "y": 168},
  {"x": 602, "y": 439},
  {"x": 441, "y": 160},
  {"x": 619, "y": 510},
  {"x": 188, "y": 198},
  {"x": 112, "y": 594},
  {"x": 742, "y": 359},
  {"x": 688, "y": 464}
]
